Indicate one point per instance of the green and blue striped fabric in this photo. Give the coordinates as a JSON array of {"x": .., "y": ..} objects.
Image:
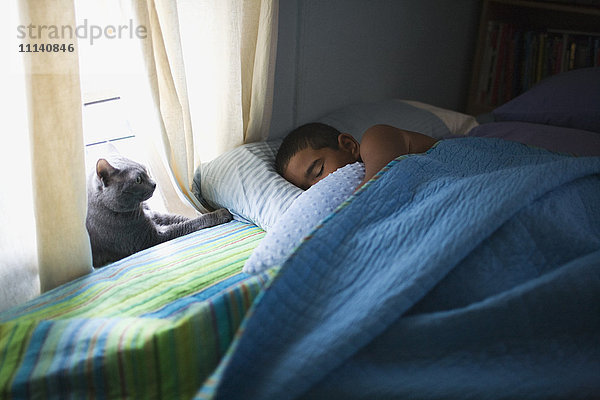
[{"x": 153, "y": 325}]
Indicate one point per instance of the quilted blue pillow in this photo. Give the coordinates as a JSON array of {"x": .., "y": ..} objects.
[
  {"x": 310, "y": 208},
  {"x": 570, "y": 99}
]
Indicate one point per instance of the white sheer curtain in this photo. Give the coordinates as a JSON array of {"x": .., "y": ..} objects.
[
  {"x": 43, "y": 240},
  {"x": 211, "y": 67}
]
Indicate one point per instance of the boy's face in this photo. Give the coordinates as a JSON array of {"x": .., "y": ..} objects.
[{"x": 309, "y": 166}]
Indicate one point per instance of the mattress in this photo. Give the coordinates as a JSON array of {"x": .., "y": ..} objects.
[{"x": 151, "y": 325}]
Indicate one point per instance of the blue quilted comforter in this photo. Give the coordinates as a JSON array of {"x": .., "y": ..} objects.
[{"x": 472, "y": 271}]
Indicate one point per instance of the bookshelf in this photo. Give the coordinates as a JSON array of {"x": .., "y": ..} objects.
[{"x": 523, "y": 41}]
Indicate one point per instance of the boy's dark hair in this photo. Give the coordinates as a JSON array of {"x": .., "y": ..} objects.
[{"x": 315, "y": 134}]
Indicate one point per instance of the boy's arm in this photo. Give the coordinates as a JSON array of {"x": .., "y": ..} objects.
[{"x": 383, "y": 143}]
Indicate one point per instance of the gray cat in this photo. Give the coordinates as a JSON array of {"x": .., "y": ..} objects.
[{"x": 120, "y": 223}]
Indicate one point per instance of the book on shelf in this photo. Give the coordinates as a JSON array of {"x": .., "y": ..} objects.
[{"x": 515, "y": 59}]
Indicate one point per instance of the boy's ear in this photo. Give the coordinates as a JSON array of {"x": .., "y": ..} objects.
[{"x": 348, "y": 143}]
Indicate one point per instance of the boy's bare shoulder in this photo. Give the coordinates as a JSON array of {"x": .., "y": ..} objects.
[{"x": 382, "y": 143}]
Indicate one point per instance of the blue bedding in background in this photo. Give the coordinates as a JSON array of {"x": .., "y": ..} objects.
[{"x": 472, "y": 271}]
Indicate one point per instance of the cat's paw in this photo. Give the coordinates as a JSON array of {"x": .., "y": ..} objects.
[
  {"x": 214, "y": 218},
  {"x": 222, "y": 215}
]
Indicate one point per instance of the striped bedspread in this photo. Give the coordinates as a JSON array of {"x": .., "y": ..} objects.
[{"x": 153, "y": 325}]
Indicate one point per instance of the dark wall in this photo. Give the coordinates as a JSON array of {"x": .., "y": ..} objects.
[{"x": 333, "y": 53}]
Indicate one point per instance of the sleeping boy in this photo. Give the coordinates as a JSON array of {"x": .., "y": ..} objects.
[{"x": 313, "y": 151}]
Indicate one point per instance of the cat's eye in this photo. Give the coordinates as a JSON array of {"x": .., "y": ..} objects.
[{"x": 138, "y": 180}]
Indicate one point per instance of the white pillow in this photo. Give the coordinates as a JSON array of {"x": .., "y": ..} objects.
[
  {"x": 457, "y": 123},
  {"x": 244, "y": 181},
  {"x": 310, "y": 208},
  {"x": 414, "y": 116}
]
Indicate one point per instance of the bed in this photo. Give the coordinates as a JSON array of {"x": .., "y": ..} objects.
[
  {"x": 471, "y": 271},
  {"x": 150, "y": 326}
]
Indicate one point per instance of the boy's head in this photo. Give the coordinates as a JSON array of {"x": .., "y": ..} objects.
[{"x": 313, "y": 151}]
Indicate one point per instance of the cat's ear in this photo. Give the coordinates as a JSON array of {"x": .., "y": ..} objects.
[{"x": 104, "y": 170}]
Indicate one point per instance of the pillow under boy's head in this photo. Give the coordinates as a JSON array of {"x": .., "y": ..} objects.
[
  {"x": 570, "y": 99},
  {"x": 244, "y": 181}
]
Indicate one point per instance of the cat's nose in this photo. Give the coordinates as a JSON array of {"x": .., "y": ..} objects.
[{"x": 153, "y": 185}]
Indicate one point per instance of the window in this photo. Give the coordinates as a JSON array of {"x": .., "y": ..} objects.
[{"x": 118, "y": 112}]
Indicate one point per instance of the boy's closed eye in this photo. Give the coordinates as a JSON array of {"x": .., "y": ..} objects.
[
  {"x": 320, "y": 171},
  {"x": 315, "y": 169}
]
